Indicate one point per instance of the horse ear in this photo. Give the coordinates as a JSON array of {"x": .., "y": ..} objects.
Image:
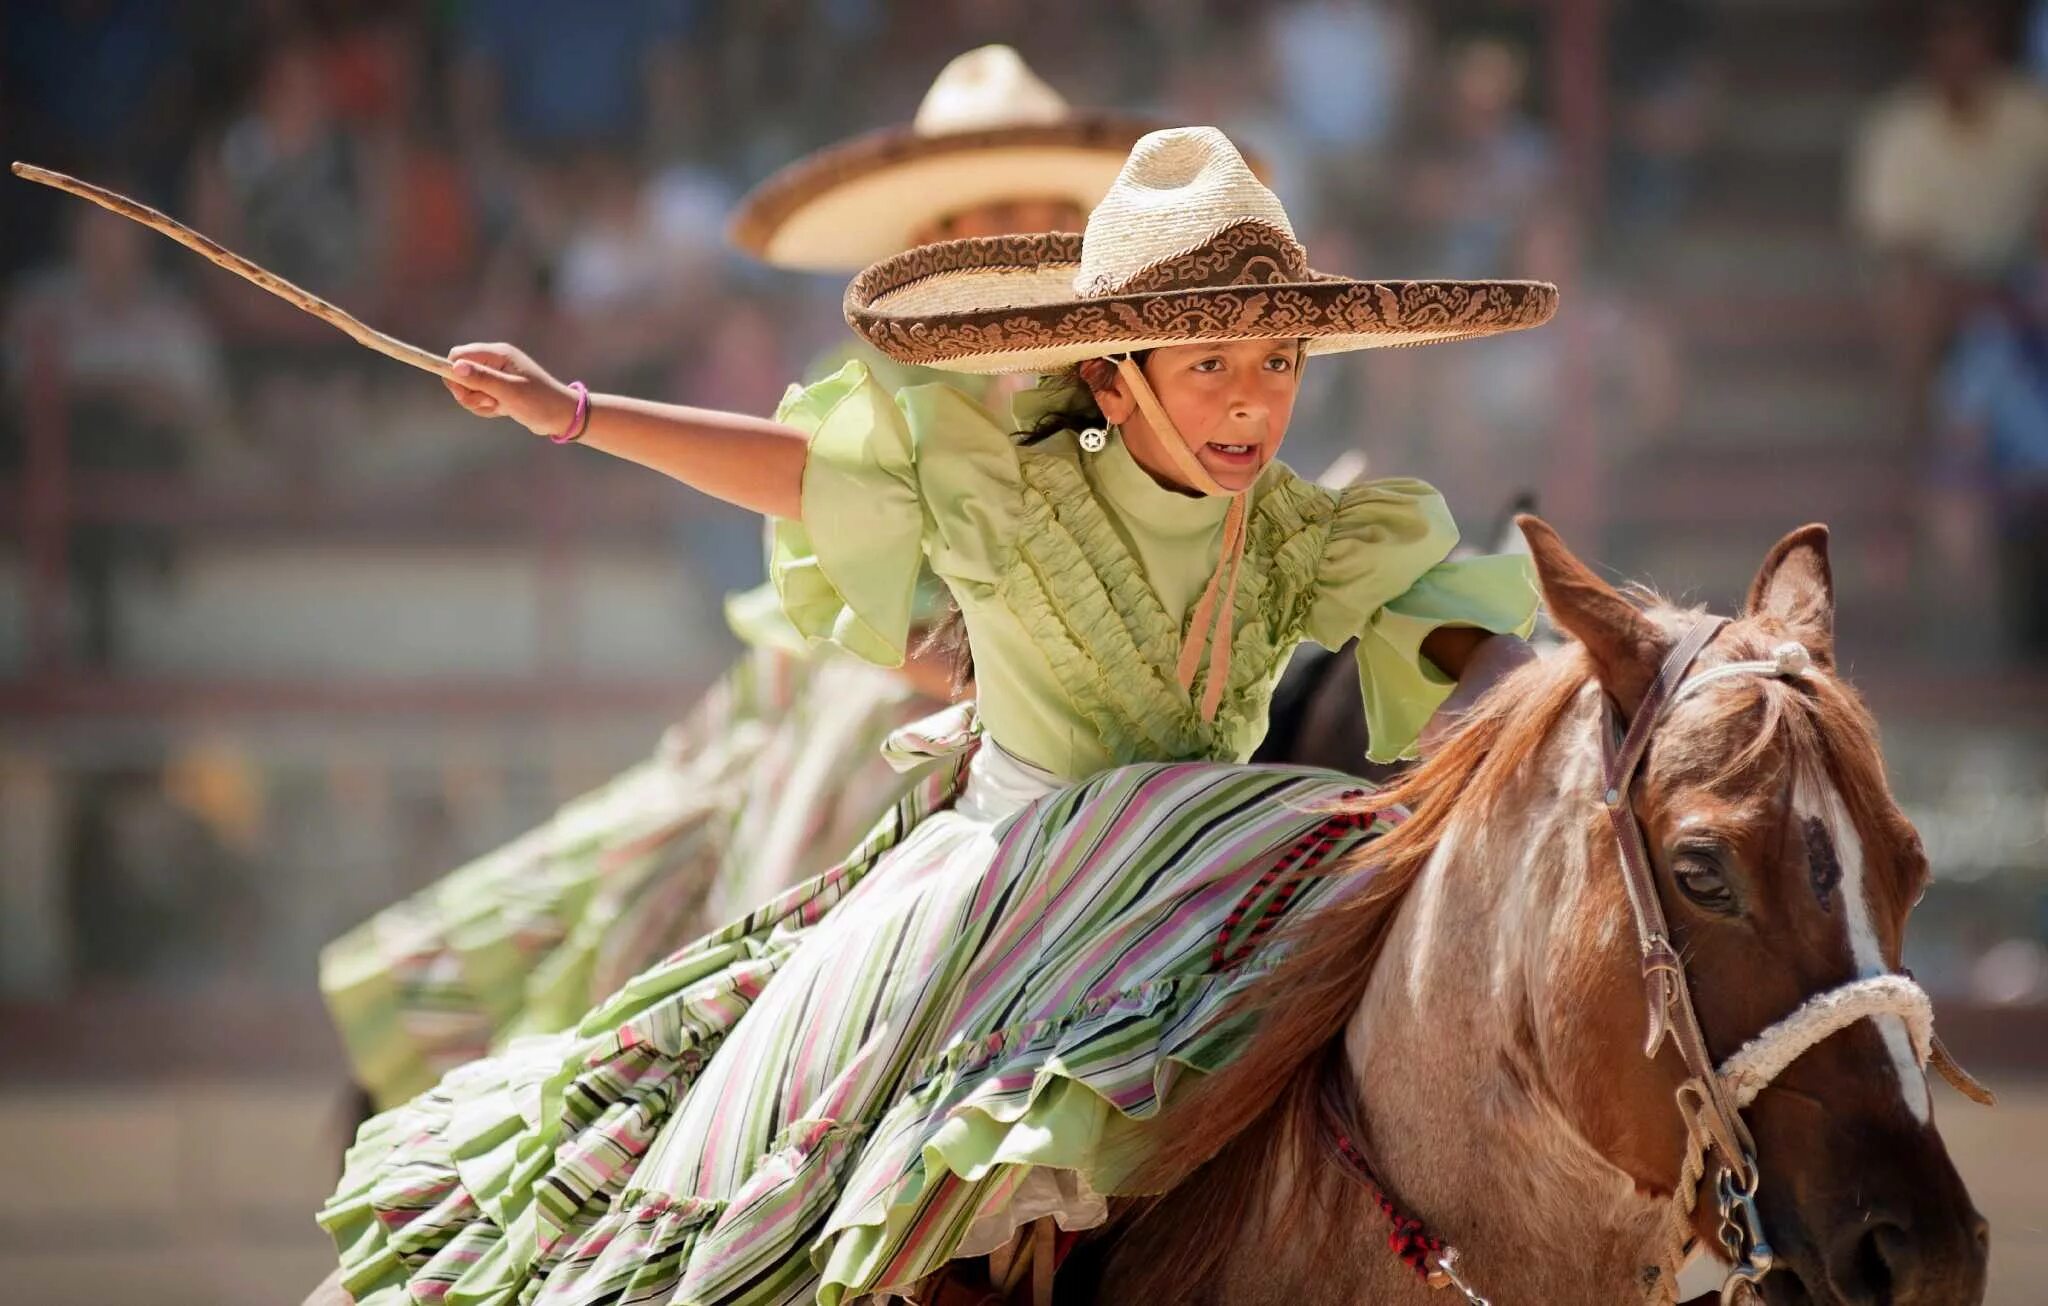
[
  {"x": 1626, "y": 646},
  {"x": 1796, "y": 588}
]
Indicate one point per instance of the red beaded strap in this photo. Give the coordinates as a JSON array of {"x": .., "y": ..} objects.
[
  {"x": 1305, "y": 854},
  {"x": 1416, "y": 1247},
  {"x": 1407, "y": 1239}
]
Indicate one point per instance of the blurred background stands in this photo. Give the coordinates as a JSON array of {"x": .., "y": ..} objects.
[{"x": 284, "y": 636}]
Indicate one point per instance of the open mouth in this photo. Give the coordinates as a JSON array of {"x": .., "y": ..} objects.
[{"x": 1234, "y": 455}]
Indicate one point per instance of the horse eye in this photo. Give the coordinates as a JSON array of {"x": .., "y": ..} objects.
[{"x": 1701, "y": 880}]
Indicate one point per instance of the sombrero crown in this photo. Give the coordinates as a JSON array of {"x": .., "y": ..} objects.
[{"x": 1188, "y": 245}]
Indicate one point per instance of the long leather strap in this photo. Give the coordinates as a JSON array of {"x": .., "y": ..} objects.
[
  {"x": 1168, "y": 442},
  {"x": 1661, "y": 968},
  {"x": 1218, "y": 604},
  {"x": 1666, "y": 989}
]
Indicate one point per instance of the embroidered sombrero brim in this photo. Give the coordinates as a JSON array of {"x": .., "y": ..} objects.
[
  {"x": 846, "y": 206},
  {"x": 1010, "y": 303}
]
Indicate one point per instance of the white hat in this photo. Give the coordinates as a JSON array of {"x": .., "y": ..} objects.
[
  {"x": 1187, "y": 245},
  {"x": 989, "y": 131}
]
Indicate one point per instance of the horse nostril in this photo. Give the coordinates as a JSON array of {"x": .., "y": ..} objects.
[
  {"x": 1982, "y": 1228},
  {"x": 1874, "y": 1259}
]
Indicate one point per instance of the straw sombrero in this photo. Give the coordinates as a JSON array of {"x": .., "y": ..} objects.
[
  {"x": 988, "y": 131},
  {"x": 1187, "y": 245}
]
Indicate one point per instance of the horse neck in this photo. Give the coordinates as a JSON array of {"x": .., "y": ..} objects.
[{"x": 1449, "y": 1048}]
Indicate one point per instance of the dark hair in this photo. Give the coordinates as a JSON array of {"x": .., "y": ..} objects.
[
  {"x": 947, "y": 643},
  {"x": 1073, "y": 408}
]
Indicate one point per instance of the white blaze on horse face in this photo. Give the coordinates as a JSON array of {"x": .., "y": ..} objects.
[{"x": 1819, "y": 800}]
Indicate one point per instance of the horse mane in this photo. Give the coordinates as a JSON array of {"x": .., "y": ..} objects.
[
  {"x": 1233, "y": 1124},
  {"x": 1232, "y": 1127}
]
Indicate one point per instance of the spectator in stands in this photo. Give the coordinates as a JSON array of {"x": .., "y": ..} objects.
[
  {"x": 1483, "y": 168},
  {"x": 1944, "y": 181},
  {"x": 1495, "y": 406},
  {"x": 120, "y": 334},
  {"x": 288, "y": 186},
  {"x": 1991, "y": 471},
  {"x": 376, "y": 73},
  {"x": 1342, "y": 71},
  {"x": 140, "y": 376},
  {"x": 518, "y": 79},
  {"x": 309, "y": 194},
  {"x": 1664, "y": 89},
  {"x": 1325, "y": 108},
  {"x": 629, "y": 270}
]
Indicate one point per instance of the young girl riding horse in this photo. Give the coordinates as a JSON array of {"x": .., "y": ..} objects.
[
  {"x": 776, "y": 1112},
  {"x": 779, "y": 769}
]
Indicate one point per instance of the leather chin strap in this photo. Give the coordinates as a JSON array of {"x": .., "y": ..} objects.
[
  {"x": 1165, "y": 442},
  {"x": 1219, "y": 597}
]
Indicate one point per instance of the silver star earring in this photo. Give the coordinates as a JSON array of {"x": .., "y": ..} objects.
[{"x": 1094, "y": 440}]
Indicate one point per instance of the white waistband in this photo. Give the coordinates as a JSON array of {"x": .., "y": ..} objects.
[{"x": 1000, "y": 784}]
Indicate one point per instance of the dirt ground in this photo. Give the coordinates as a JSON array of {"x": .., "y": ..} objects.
[
  {"x": 203, "y": 1194},
  {"x": 2003, "y": 1153}
]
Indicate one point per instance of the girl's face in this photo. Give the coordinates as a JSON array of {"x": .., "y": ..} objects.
[{"x": 1230, "y": 403}]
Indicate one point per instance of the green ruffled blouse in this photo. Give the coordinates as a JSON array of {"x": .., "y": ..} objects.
[
  {"x": 1076, "y": 573},
  {"x": 756, "y": 615}
]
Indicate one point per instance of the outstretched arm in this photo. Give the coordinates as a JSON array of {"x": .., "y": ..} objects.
[{"x": 753, "y": 462}]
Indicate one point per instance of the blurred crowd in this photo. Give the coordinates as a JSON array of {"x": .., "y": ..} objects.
[
  {"x": 559, "y": 176},
  {"x": 1948, "y": 188}
]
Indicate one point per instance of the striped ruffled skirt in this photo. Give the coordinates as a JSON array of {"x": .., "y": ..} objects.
[
  {"x": 776, "y": 773},
  {"x": 965, "y": 1025}
]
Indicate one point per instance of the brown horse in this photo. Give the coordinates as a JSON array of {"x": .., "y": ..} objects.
[
  {"x": 1479, "y": 1001},
  {"x": 1481, "y": 1004}
]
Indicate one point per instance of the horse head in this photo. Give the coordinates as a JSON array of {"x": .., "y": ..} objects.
[
  {"x": 1786, "y": 871},
  {"x": 1486, "y": 995}
]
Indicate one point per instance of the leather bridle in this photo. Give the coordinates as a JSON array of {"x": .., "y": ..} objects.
[{"x": 1710, "y": 1098}]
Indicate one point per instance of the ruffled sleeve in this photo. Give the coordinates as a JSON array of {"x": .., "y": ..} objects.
[
  {"x": 971, "y": 485},
  {"x": 1384, "y": 578},
  {"x": 887, "y": 481},
  {"x": 756, "y": 617}
]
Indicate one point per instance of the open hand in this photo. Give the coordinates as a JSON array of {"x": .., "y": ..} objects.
[{"x": 498, "y": 380}]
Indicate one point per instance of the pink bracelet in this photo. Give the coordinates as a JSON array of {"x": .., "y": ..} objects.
[{"x": 581, "y": 418}]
